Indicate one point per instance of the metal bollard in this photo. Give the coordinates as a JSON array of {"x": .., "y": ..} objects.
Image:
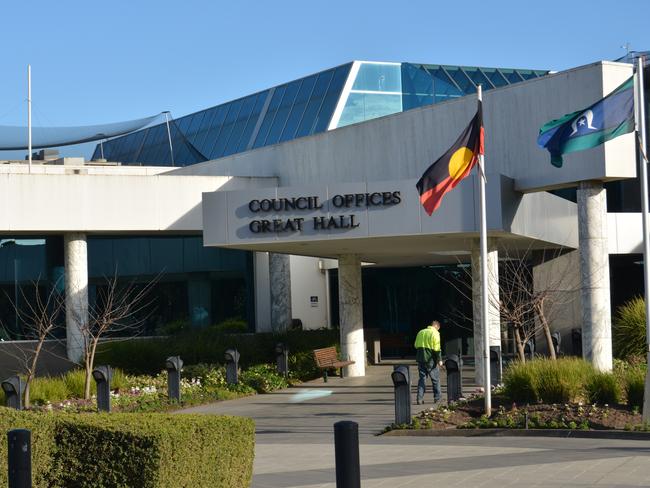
[
  {"x": 495, "y": 365},
  {"x": 402, "y": 384},
  {"x": 19, "y": 458},
  {"x": 103, "y": 376},
  {"x": 282, "y": 359},
  {"x": 174, "y": 365},
  {"x": 346, "y": 454},
  {"x": 232, "y": 366},
  {"x": 453, "y": 366},
  {"x": 14, "y": 388}
]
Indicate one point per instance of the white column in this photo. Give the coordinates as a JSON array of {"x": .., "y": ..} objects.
[
  {"x": 594, "y": 273},
  {"x": 351, "y": 314},
  {"x": 76, "y": 293},
  {"x": 493, "y": 305},
  {"x": 280, "y": 285}
]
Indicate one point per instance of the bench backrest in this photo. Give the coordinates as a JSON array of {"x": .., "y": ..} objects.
[{"x": 325, "y": 356}]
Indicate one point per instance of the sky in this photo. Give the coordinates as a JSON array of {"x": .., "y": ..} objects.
[{"x": 99, "y": 62}]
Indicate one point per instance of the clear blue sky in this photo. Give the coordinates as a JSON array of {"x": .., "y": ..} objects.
[{"x": 95, "y": 62}]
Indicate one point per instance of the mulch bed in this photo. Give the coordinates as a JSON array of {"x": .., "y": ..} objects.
[{"x": 505, "y": 414}]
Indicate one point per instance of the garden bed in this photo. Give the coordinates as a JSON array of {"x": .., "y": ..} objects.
[{"x": 507, "y": 415}]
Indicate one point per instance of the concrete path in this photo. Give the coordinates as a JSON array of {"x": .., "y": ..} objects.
[{"x": 295, "y": 446}]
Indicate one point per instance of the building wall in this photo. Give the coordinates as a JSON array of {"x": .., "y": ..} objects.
[
  {"x": 307, "y": 281},
  {"x": 560, "y": 278}
]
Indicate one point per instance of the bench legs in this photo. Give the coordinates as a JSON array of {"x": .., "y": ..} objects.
[
  {"x": 341, "y": 373},
  {"x": 324, "y": 376}
]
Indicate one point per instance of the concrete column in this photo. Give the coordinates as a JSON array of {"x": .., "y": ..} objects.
[
  {"x": 76, "y": 292},
  {"x": 494, "y": 326},
  {"x": 280, "y": 285},
  {"x": 594, "y": 274},
  {"x": 351, "y": 314}
]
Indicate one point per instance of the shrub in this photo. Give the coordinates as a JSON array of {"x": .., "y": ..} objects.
[
  {"x": 147, "y": 356},
  {"x": 629, "y": 333},
  {"x": 603, "y": 388},
  {"x": 559, "y": 381},
  {"x": 232, "y": 325},
  {"x": 263, "y": 378},
  {"x": 43, "y": 390},
  {"x": 43, "y": 445},
  {"x": 634, "y": 386},
  {"x": 153, "y": 450},
  {"x": 144, "y": 450},
  {"x": 519, "y": 383}
]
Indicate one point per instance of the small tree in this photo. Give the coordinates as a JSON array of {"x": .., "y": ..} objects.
[
  {"x": 117, "y": 309},
  {"x": 39, "y": 318}
]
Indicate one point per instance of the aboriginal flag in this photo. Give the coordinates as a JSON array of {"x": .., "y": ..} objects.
[{"x": 443, "y": 175}]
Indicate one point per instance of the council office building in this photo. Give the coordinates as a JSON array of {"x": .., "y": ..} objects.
[{"x": 297, "y": 204}]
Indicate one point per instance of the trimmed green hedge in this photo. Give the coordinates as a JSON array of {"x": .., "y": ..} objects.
[
  {"x": 144, "y": 450},
  {"x": 147, "y": 356},
  {"x": 43, "y": 429}
]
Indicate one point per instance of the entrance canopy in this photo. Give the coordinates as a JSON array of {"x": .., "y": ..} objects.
[{"x": 383, "y": 222}]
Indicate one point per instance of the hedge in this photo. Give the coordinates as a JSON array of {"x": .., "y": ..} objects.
[
  {"x": 143, "y": 450},
  {"x": 43, "y": 429},
  {"x": 147, "y": 356}
]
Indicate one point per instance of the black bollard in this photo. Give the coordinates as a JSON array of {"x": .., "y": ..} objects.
[
  {"x": 346, "y": 454},
  {"x": 529, "y": 350},
  {"x": 174, "y": 365},
  {"x": 453, "y": 366},
  {"x": 402, "y": 386},
  {"x": 232, "y": 366},
  {"x": 103, "y": 376},
  {"x": 282, "y": 359},
  {"x": 19, "y": 458},
  {"x": 14, "y": 388},
  {"x": 495, "y": 365},
  {"x": 556, "y": 339}
]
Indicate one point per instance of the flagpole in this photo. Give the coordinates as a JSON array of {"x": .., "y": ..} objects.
[
  {"x": 29, "y": 116},
  {"x": 643, "y": 170},
  {"x": 484, "y": 281}
]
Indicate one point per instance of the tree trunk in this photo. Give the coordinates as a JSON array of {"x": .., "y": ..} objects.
[
  {"x": 26, "y": 400},
  {"x": 547, "y": 330},
  {"x": 90, "y": 361},
  {"x": 520, "y": 346}
]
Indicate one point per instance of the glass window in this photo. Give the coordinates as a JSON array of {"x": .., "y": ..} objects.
[
  {"x": 298, "y": 108},
  {"x": 366, "y": 106},
  {"x": 195, "y": 125},
  {"x": 495, "y": 77},
  {"x": 461, "y": 79},
  {"x": 378, "y": 77},
  {"x": 204, "y": 140},
  {"x": 247, "y": 107},
  {"x": 511, "y": 75},
  {"x": 315, "y": 101},
  {"x": 443, "y": 87},
  {"x": 332, "y": 98},
  {"x": 183, "y": 123},
  {"x": 527, "y": 74},
  {"x": 270, "y": 115},
  {"x": 252, "y": 121},
  {"x": 283, "y": 112},
  {"x": 417, "y": 86},
  {"x": 478, "y": 77},
  {"x": 226, "y": 129}
]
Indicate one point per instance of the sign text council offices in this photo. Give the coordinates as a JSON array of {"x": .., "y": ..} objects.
[{"x": 293, "y": 205}]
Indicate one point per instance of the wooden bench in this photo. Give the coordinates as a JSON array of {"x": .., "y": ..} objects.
[{"x": 327, "y": 358}]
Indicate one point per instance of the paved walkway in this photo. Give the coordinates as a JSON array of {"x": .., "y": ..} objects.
[{"x": 294, "y": 445}]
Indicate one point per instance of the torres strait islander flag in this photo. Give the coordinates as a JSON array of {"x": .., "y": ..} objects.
[{"x": 443, "y": 175}]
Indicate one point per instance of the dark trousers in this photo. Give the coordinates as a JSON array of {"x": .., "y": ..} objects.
[{"x": 429, "y": 370}]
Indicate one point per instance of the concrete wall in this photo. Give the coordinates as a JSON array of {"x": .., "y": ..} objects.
[
  {"x": 108, "y": 203},
  {"x": 401, "y": 146},
  {"x": 307, "y": 281},
  {"x": 560, "y": 276},
  {"x": 262, "y": 293}
]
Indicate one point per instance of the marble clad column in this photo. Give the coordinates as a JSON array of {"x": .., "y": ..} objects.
[
  {"x": 280, "y": 285},
  {"x": 494, "y": 319},
  {"x": 351, "y": 314},
  {"x": 594, "y": 274},
  {"x": 76, "y": 293}
]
